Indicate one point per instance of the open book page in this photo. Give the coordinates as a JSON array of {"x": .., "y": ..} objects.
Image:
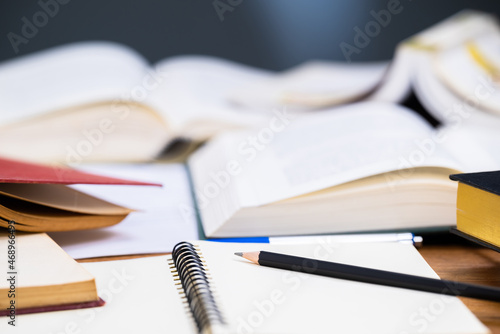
[
  {"x": 395, "y": 86},
  {"x": 451, "y": 109},
  {"x": 439, "y": 101},
  {"x": 121, "y": 132},
  {"x": 469, "y": 133},
  {"x": 477, "y": 81},
  {"x": 476, "y": 148},
  {"x": 61, "y": 197},
  {"x": 447, "y": 34},
  {"x": 155, "y": 227},
  {"x": 82, "y": 73},
  {"x": 311, "y": 153},
  {"x": 311, "y": 85},
  {"x": 192, "y": 95},
  {"x": 455, "y": 30}
]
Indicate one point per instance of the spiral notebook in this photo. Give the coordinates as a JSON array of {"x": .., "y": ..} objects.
[{"x": 206, "y": 281}]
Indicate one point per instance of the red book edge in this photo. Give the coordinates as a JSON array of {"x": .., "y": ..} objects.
[
  {"x": 15, "y": 171},
  {"x": 52, "y": 308}
]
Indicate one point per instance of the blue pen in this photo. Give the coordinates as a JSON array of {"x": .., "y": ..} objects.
[{"x": 350, "y": 238}]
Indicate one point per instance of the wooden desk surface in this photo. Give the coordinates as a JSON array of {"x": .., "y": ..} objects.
[
  {"x": 467, "y": 263},
  {"x": 453, "y": 261}
]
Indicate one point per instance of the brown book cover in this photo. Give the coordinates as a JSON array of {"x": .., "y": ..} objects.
[{"x": 63, "y": 307}]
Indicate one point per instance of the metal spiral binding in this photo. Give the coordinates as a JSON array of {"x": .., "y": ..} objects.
[
  {"x": 196, "y": 286},
  {"x": 178, "y": 286}
]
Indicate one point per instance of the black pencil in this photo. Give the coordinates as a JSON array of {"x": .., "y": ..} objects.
[{"x": 374, "y": 276}]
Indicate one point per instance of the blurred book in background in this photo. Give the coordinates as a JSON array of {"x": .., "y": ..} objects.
[
  {"x": 451, "y": 67},
  {"x": 103, "y": 102}
]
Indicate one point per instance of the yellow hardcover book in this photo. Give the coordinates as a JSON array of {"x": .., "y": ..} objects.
[{"x": 478, "y": 206}]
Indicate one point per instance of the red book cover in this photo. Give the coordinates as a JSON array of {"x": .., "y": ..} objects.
[{"x": 14, "y": 171}]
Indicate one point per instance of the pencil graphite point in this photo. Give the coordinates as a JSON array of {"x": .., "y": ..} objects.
[{"x": 250, "y": 256}]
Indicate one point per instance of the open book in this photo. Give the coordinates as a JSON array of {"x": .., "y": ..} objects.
[
  {"x": 253, "y": 299},
  {"x": 452, "y": 68},
  {"x": 361, "y": 167},
  {"x": 36, "y": 198},
  {"x": 41, "y": 277},
  {"x": 102, "y": 101}
]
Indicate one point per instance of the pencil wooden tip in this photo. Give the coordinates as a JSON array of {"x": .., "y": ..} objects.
[{"x": 250, "y": 256}]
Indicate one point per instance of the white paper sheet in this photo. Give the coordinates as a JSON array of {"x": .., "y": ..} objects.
[{"x": 155, "y": 228}]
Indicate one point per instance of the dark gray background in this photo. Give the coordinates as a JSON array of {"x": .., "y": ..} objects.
[{"x": 273, "y": 34}]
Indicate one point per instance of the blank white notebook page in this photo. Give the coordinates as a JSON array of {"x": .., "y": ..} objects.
[{"x": 141, "y": 296}]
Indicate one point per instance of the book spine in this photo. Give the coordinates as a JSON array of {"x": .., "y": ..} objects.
[{"x": 188, "y": 265}]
